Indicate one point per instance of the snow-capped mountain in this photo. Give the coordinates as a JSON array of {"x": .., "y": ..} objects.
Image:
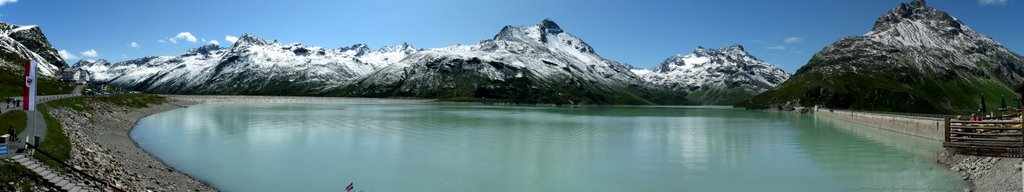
[
  {"x": 255, "y": 66},
  {"x": 715, "y": 76},
  {"x": 98, "y": 68},
  {"x": 19, "y": 42},
  {"x": 916, "y": 58},
  {"x": 532, "y": 64}
]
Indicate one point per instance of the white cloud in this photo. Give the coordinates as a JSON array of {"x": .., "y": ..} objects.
[
  {"x": 133, "y": 44},
  {"x": 792, "y": 40},
  {"x": 67, "y": 55},
  {"x": 993, "y": 2},
  {"x": 4, "y": 2},
  {"x": 777, "y": 47},
  {"x": 184, "y": 36},
  {"x": 230, "y": 38},
  {"x": 215, "y": 42},
  {"x": 90, "y": 53}
]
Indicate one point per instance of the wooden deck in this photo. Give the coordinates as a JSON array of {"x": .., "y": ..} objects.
[{"x": 999, "y": 137}]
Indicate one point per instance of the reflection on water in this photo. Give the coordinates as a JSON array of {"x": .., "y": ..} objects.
[{"x": 323, "y": 146}]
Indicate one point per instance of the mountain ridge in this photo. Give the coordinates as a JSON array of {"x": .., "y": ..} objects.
[
  {"x": 723, "y": 76},
  {"x": 530, "y": 64},
  {"x": 916, "y": 58}
]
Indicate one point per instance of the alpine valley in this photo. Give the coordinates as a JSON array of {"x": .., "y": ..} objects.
[
  {"x": 915, "y": 59},
  {"x": 532, "y": 64}
]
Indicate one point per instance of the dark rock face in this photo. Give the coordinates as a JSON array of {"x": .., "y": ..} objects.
[{"x": 34, "y": 41}]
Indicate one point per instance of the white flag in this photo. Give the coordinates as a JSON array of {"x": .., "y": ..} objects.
[{"x": 29, "y": 99}]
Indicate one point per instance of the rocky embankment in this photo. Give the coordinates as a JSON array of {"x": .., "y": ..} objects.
[
  {"x": 102, "y": 147},
  {"x": 986, "y": 173}
]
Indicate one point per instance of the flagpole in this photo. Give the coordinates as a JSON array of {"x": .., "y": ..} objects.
[{"x": 29, "y": 99}]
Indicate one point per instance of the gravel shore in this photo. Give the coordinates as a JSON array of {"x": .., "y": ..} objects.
[
  {"x": 985, "y": 173},
  {"x": 101, "y": 144}
]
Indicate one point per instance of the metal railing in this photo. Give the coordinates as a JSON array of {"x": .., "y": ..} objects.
[{"x": 72, "y": 168}]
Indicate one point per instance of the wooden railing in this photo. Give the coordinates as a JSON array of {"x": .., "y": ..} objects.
[
  {"x": 986, "y": 137},
  {"x": 958, "y": 130}
]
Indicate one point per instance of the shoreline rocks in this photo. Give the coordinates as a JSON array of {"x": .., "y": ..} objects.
[
  {"x": 985, "y": 173},
  {"x": 102, "y": 147}
]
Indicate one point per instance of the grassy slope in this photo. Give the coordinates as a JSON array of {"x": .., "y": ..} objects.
[
  {"x": 12, "y": 118},
  {"x": 879, "y": 92},
  {"x": 12, "y": 79},
  {"x": 719, "y": 96},
  {"x": 56, "y": 142}
]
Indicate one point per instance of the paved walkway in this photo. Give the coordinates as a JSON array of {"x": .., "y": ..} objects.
[
  {"x": 4, "y": 108},
  {"x": 37, "y": 127}
]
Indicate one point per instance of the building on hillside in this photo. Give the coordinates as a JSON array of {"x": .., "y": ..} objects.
[
  {"x": 68, "y": 74},
  {"x": 76, "y": 76}
]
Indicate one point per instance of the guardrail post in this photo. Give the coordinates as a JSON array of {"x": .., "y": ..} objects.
[{"x": 947, "y": 129}]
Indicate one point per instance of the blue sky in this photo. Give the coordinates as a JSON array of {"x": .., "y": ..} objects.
[{"x": 637, "y": 32}]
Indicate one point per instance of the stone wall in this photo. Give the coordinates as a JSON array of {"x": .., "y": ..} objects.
[{"x": 927, "y": 127}]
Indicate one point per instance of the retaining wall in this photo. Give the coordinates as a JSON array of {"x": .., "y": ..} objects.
[{"x": 927, "y": 127}]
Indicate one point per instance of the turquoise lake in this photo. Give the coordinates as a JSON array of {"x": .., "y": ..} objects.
[{"x": 440, "y": 147}]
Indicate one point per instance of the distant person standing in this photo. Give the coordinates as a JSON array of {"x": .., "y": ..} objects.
[{"x": 13, "y": 132}]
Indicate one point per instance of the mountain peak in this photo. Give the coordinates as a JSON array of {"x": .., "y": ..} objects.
[
  {"x": 737, "y": 47},
  {"x": 88, "y": 63},
  {"x": 358, "y": 48},
  {"x": 917, "y": 10},
  {"x": 917, "y": 24},
  {"x": 918, "y": 3},
  {"x": 735, "y": 50},
  {"x": 535, "y": 32},
  {"x": 248, "y": 39},
  {"x": 205, "y": 49},
  {"x": 550, "y": 27},
  {"x": 726, "y": 68},
  {"x": 404, "y": 47}
]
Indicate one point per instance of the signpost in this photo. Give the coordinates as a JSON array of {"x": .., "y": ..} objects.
[
  {"x": 3, "y": 146},
  {"x": 3, "y": 150}
]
